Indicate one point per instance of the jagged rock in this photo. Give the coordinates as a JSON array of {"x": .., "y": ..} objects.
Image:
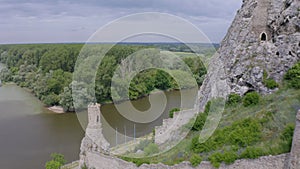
[
  {"x": 264, "y": 36},
  {"x": 140, "y": 152}
]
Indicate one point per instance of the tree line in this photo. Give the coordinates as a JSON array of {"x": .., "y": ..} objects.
[{"x": 47, "y": 70}]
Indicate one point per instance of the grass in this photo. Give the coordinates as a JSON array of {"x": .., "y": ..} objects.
[{"x": 273, "y": 115}]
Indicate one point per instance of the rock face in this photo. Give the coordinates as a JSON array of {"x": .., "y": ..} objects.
[{"x": 264, "y": 39}]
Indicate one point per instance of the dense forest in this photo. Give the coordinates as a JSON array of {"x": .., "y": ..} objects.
[{"x": 46, "y": 69}]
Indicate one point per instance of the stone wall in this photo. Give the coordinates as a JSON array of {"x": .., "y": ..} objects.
[
  {"x": 294, "y": 162},
  {"x": 100, "y": 161},
  {"x": 169, "y": 130}
]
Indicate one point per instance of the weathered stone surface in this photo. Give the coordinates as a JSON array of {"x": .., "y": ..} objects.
[
  {"x": 169, "y": 132},
  {"x": 243, "y": 56},
  {"x": 294, "y": 162},
  {"x": 100, "y": 161}
]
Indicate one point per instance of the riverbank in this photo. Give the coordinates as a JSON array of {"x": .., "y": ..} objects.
[{"x": 56, "y": 109}]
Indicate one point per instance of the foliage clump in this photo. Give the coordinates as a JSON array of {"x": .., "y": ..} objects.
[
  {"x": 251, "y": 99},
  {"x": 233, "y": 99},
  {"x": 293, "y": 76},
  {"x": 241, "y": 133},
  {"x": 171, "y": 112},
  {"x": 269, "y": 82},
  {"x": 252, "y": 152},
  {"x": 195, "y": 160},
  {"x": 57, "y": 161},
  {"x": 201, "y": 118},
  {"x": 287, "y": 137}
]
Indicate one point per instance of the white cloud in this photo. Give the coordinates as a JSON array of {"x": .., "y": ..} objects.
[{"x": 36, "y": 21}]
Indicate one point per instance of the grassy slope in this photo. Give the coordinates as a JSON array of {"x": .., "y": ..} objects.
[{"x": 280, "y": 107}]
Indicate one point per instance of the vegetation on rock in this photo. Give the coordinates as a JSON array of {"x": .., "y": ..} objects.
[
  {"x": 251, "y": 99},
  {"x": 57, "y": 161}
]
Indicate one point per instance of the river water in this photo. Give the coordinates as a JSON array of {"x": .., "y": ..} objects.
[{"x": 29, "y": 133}]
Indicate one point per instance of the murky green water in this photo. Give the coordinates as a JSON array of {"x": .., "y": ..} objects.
[{"x": 29, "y": 133}]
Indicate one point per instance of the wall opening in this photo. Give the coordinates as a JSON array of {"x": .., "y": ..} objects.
[
  {"x": 263, "y": 37},
  {"x": 97, "y": 119}
]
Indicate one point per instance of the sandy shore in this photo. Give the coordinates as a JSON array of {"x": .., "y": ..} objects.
[{"x": 56, "y": 109}]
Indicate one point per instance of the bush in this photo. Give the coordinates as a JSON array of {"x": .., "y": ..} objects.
[
  {"x": 243, "y": 133},
  {"x": 287, "y": 137},
  {"x": 51, "y": 99},
  {"x": 251, "y": 98},
  {"x": 207, "y": 146},
  {"x": 199, "y": 122},
  {"x": 252, "y": 152},
  {"x": 293, "y": 76},
  {"x": 216, "y": 159},
  {"x": 151, "y": 149},
  {"x": 270, "y": 83},
  {"x": 229, "y": 157},
  {"x": 53, "y": 165},
  {"x": 207, "y": 107},
  {"x": 171, "y": 112},
  {"x": 201, "y": 118},
  {"x": 233, "y": 99},
  {"x": 57, "y": 161},
  {"x": 195, "y": 160}
]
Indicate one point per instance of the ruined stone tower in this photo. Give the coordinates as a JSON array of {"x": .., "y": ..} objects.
[
  {"x": 260, "y": 22},
  {"x": 94, "y": 116},
  {"x": 94, "y": 141}
]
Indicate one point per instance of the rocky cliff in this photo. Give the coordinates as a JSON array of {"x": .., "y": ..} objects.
[{"x": 263, "y": 42}]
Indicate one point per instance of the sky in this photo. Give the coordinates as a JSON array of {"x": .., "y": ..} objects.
[{"x": 53, "y": 21}]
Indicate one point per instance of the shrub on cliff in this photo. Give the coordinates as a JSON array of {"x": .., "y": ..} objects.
[
  {"x": 216, "y": 159},
  {"x": 171, "y": 112},
  {"x": 270, "y": 83},
  {"x": 233, "y": 99},
  {"x": 57, "y": 161},
  {"x": 293, "y": 76},
  {"x": 201, "y": 118},
  {"x": 229, "y": 157},
  {"x": 252, "y": 152},
  {"x": 250, "y": 99},
  {"x": 287, "y": 137},
  {"x": 195, "y": 160}
]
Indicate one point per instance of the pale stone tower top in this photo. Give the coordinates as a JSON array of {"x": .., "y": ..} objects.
[
  {"x": 260, "y": 20},
  {"x": 94, "y": 115}
]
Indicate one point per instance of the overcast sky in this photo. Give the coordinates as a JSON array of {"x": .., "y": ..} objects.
[{"x": 35, "y": 21}]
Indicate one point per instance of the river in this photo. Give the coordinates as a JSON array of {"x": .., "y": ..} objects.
[{"x": 29, "y": 132}]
